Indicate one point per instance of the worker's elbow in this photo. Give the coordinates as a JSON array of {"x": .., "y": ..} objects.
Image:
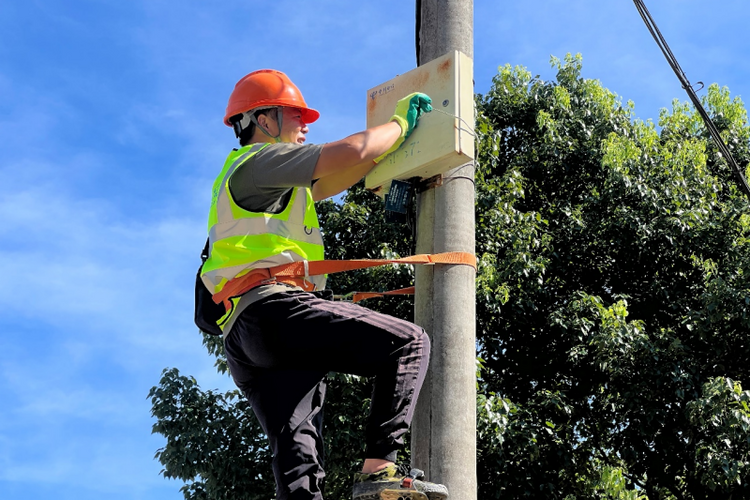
[
  {"x": 322, "y": 192},
  {"x": 318, "y": 194}
]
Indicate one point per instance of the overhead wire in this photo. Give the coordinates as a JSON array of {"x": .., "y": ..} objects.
[{"x": 672, "y": 60}]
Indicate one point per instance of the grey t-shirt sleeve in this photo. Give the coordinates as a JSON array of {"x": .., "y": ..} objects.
[{"x": 264, "y": 182}]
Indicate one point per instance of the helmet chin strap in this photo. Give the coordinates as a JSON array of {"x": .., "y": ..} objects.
[{"x": 279, "y": 121}]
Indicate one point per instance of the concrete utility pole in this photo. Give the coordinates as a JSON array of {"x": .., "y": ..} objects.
[{"x": 444, "y": 430}]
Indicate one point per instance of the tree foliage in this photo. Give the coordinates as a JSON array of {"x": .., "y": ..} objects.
[
  {"x": 613, "y": 292},
  {"x": 214, "y": 443},
  {"x": 612, "y": 296}
]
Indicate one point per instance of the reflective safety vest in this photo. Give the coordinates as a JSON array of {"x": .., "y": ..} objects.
[{"x": 241, "y": 241}]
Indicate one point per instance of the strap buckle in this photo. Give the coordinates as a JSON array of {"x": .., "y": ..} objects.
[{"x": 408, "y": 481}]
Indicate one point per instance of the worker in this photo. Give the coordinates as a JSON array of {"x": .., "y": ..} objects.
[{"x": 282, "y": 336}]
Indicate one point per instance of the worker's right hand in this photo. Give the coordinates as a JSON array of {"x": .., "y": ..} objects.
[{"x": 408, "y": 112}]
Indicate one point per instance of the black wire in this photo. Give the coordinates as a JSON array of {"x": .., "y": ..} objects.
[
  {"x": 672, "y": 60},
  {"x": 452, "y": 177}
]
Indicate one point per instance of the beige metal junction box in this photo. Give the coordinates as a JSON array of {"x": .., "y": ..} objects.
[{"x": 444, "y": 138}]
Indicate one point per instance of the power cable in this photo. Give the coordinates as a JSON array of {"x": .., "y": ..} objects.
[{"x": 672, "y": 60}]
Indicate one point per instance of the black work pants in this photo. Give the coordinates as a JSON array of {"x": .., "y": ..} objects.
[{"x": 279, "y": 352}]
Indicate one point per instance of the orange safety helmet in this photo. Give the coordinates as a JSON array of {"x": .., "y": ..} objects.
[{"x": 267, "y": 88}]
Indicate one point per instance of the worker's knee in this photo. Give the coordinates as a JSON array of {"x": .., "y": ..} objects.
[{"x": 419, "y": 341}]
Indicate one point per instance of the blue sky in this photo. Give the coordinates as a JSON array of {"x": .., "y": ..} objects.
[{"x": 111, "y": 134}]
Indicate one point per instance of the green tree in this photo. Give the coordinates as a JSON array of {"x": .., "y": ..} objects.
[
  {"x": 214, "y": 443},
  {"x": 612, "y": 292}
]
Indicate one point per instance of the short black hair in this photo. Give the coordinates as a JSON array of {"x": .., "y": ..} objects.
[{"x": 246, "y": 134}]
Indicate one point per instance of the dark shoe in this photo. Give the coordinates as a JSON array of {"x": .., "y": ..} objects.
[{"x": 393, "y": 477}]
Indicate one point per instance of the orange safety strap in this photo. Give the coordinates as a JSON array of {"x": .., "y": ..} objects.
[
  {"x": 294, "y": 273},
  {"x": 357, "y": 296}
]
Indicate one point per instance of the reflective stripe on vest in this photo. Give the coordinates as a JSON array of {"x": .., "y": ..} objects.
[{"x": 241, "y": 241}]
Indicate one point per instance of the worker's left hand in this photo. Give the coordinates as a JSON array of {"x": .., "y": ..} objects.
[{"x": 408, "y": 112}]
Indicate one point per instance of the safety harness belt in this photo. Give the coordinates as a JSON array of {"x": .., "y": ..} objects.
[{"x": 295, "y": 273}]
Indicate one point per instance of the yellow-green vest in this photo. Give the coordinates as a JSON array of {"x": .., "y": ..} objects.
[{"x": 241, "y": 241}]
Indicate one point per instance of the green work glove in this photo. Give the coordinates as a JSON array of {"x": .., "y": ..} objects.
[{"x": 408, "y": 112}]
